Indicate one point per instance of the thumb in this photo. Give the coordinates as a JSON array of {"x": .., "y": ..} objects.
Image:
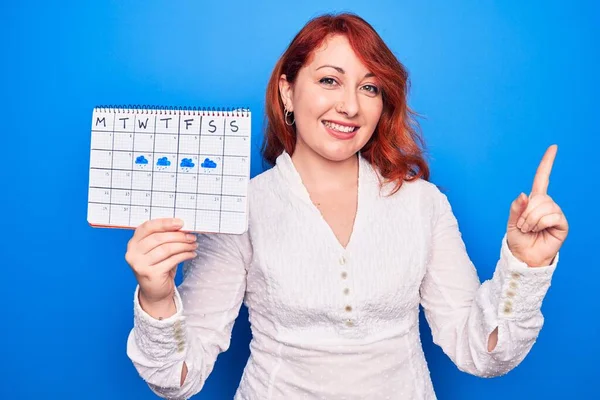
[{"x": 516, "y": 209}]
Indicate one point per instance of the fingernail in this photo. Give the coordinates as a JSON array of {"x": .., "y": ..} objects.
[
  {"x": 523, "y": 197},
  {"x": 190, "y": 237},
  {"x": 177, "y": 222},
  {"x": 520, "y": 222},
  {"x": 525, "y": 228}
]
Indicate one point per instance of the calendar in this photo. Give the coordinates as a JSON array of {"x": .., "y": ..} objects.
[{"x": 148, "y": 163}]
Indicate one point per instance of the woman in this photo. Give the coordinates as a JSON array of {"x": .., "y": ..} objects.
[{"x": 346, "y": 238}]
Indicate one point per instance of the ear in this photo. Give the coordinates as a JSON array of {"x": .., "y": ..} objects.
[{"x": 286, "y": 91}]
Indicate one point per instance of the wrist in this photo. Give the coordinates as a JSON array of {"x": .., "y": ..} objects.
[
  {"x": 543, "y": 263},
  {"x": 158, "y": 309}
]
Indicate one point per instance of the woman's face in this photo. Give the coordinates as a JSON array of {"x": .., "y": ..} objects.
[{"x": 336, "y": 102}]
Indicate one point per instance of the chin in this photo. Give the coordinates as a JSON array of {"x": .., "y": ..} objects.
[
  {"x": 333, "y": 149},
  {"x": 338, "y": 152}
]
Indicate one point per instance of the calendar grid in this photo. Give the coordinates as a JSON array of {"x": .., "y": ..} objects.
[
  {"x": 197, "y": 171},
  {"x": 204, "y": 134},
  {"x": 208, "y": 154},
  {"x": 132, "y": 161},
  {"x": 222, "y": 171},
  {"x": 152, "y": 180},
  {"x": 111, "y": 166},
  {"x": 198, "y": 176},
  {"x": 177, "y": 172},
  {"x": 179, "y": 208},
  {"x": 166, "y": 191}
]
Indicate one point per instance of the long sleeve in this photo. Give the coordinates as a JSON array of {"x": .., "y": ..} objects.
[
  {"x": 462, "y": 313},
  {"x": 208, "y": 302}
]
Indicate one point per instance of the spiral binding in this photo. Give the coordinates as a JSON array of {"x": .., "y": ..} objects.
[{"x": 175, "y": 110}]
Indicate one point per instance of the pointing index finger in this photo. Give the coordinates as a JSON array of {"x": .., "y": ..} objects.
[{"x": 542, "y": 176}]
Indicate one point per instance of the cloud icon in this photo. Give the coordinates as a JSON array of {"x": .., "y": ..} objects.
[
  {"x": 141, "y": 160},
  {"x": 208, "y": 163},
  {"x": 187, "y": 163},
  {"x": 163, "y": 162}
]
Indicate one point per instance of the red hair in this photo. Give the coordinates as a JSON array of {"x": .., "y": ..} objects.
[{"x": 396, "y": 148}]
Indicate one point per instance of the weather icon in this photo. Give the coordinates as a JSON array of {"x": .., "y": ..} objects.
[
  {"x": 141, "y": 160},
  {"x": 187, "y": 163},
  {"x": 163, "y": 162},
  {"x": 208, "y": 163}
]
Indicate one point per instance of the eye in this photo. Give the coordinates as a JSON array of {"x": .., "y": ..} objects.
[
  {"x": 371, "y": 89},
  {"x": 328, "y": 81}
]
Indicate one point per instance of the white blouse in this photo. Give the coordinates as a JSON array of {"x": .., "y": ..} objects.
[{"x": 330, "y": 322}]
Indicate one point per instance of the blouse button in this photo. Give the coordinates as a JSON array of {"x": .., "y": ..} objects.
[
  {"x": 349, "y": 322},
  {"x": 344, "y": 275},
  {"x": 342, "y": 260},
  {"x": 348, "y": 308},
  {"x": 346, "y": 291}
]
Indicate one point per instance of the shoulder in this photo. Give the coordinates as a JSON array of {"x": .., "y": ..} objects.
[
  {"x": 424, "y": 197},
  {"x": 429, "y": 190},
  {"x": 264, "y": 180},
  {"x": 266, "y": 189},
  {"x": 435, "y": 201}
]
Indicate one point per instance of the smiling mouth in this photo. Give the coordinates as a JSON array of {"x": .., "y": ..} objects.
[{"x": 340, "y": 128}]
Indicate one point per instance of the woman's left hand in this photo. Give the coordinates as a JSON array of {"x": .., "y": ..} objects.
[{"x": 537, "y": 226}]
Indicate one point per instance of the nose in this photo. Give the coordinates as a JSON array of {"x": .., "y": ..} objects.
[{"x": 349, "y": 103}]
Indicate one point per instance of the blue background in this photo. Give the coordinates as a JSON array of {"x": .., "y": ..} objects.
[{"x": 495, "y": 81}]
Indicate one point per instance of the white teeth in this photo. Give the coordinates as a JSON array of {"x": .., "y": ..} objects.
[{"x": 340, "y": 128}]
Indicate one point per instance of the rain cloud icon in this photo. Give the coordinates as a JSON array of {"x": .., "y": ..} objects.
[
  {"x": 163, "y": 162},
  {"x": 141, "y": 160},
  {"x": 208, "y": 163},
  {"x": 187, "y": 163}
]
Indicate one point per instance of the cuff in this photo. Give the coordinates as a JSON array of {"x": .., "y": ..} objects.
[
  {"x": 520, "y": 288},
  {"x": 160, "y": 339}
]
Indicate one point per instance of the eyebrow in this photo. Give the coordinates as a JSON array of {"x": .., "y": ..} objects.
[{"x": 341, "y": 70}]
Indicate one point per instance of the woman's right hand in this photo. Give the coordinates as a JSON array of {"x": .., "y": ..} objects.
[{"x": 154, "y": 252}]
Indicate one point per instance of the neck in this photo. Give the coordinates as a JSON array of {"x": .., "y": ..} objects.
[{"x": 320, "y": 174}]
